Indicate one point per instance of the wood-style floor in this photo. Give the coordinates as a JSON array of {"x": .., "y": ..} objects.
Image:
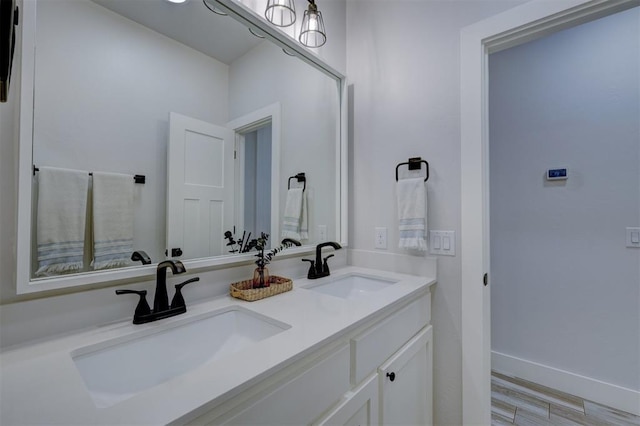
[{"x": 517, "y": 401}]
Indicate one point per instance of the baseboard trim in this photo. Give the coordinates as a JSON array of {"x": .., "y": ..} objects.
[{"x": 584, "y": 387}]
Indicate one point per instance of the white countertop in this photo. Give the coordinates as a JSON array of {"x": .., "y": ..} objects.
[{"x": 40, "y": 384}]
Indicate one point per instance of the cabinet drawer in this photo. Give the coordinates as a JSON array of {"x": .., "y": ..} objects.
[
  {"x": 371, "y": 348},
  {"x": 300, "y": 399}
]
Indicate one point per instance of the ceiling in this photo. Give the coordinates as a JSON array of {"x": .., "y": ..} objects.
[{"x": 190, "y": 23}]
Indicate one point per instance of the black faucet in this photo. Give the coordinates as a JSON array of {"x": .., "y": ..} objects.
[
  {"x": 161, "y": 299},
  {"x": 319, "y": 268},
  {"x": 161, "y": 307}
]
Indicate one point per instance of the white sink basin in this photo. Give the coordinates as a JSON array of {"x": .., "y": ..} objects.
[
  {"x": 350, "y": 286},
  {"x": 120, "y": 368}
]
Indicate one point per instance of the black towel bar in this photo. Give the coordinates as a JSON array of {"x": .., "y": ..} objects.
[
  {"x": 414, "y": 163},
  {"x": 137, "y": 178}
]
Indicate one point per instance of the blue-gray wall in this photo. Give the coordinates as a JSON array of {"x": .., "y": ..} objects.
[{"x": 565, "y": 288}]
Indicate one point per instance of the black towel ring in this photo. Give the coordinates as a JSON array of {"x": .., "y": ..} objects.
[
  {"x": 300, "y": 177},
  {"x": 414, "y": 163}
]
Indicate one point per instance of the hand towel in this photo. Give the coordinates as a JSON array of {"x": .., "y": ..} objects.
[
  {"x": 304, "y": 219},
  {"x": 112, "y": 220},
  {"x": 293, "y": 213},
  {"x": 61, "y": 219},
  {"x": 412, "y": 213}
]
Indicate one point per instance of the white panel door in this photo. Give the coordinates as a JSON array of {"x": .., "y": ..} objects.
[{"x": 200, "y": 187}]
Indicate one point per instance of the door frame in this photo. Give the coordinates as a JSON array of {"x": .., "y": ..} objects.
[
  {"x": 519, "y": 25},
  {"x": 248, "y": 122}
]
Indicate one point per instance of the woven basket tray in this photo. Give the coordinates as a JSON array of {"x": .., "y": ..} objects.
[{"x": 242, "y": 290}]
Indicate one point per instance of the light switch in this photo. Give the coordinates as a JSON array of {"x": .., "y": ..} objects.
[
  {"x": 446, "y": 243},
  {"x": 436, "y": 242},
  {"x": 633, "y": 237},
  {"x": 442, "y": 242}
]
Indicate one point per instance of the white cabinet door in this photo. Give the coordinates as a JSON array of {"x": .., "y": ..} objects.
[
  {"x": 359, "y": 407},
  {"x": 406, "y": 382},
  {"x": 200, "y": 175}
]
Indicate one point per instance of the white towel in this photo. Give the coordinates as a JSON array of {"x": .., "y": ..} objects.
[
  {"x": 61, "y": 219},
  {"x": 304, "y": 219},
  {"x": 112, "y": 220},
  {"x": 412, "y": 213},
  {"x": 295, "y": 211}
]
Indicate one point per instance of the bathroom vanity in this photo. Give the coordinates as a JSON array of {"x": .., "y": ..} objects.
[{"x": 351, "y": 348}]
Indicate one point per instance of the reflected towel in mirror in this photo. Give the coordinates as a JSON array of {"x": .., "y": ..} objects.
[
  {"x": 295, "y": 223},
  {"x": 112, "y": 220},
  {"x": 412, "y": 213},
  {"x": 61, "y": 219}
]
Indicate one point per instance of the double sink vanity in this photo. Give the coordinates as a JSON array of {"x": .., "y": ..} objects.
[{"x": 351, "y": 347}]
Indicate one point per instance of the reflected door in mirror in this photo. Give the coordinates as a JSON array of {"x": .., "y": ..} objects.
[{"x": 200, "y": 186}]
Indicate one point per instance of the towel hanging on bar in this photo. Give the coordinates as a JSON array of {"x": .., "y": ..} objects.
[
  {"x": 412, "y": 213},
  {"x": 61, "y": 219},
  {"x": 112, "y": 220}
]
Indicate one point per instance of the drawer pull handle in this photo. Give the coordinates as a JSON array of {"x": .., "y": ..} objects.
[{"x": 391, "y": 376}]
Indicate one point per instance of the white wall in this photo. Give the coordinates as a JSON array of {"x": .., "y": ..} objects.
[
  {"x": 403, "y": 61},
  {"x": 9, "y": 178},
  {"x": 308, "y": 99},
  {"x": 104, "y": 88},
  {"x": 565, "y": 289}
]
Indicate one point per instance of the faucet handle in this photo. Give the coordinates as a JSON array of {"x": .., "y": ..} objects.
[
  {"x": 312, "y": 268},
  {"x": 325, "y": 265},
  {"x": 143, "y": 307},
  {"x": 178, "y": 300}
]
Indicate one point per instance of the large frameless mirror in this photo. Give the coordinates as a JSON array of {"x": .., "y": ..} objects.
[{"x": 213, "y": 125}]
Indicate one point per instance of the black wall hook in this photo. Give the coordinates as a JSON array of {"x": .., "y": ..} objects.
[
  {"x": 414, "y": 163},
  {"x": 300, "y": 177}
]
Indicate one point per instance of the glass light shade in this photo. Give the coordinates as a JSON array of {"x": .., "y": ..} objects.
[
  {"x": 281, "y": 13},
  {"x": 312, "y": 33}
]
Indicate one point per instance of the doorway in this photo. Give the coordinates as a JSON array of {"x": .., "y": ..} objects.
[
  {"x": 254, "y": 174},
  {"x": 562, "y": 108},
  {"x": 524, "y": 23},
  {"x": 257, "y": 171}
]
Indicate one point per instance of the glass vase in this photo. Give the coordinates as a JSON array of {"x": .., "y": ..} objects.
[{"x": 261, "y": 278}]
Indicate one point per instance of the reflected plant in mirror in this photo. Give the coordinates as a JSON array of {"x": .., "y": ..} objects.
[
  {"x": 124, "y": 118},
  {"x": 241, "y": 245}
]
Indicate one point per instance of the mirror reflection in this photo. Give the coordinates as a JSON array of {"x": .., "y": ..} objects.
[{"x": 214, "y": 118}]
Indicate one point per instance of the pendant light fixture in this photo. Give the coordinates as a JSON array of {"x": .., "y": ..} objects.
[
  {"x": 312, "y": 33},
  {"x": 281, "y": 13}
]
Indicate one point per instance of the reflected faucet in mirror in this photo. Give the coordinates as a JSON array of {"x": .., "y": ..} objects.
[
  {"x": 141, "y": 256},
  {"x": 320, "y": 268},
  {"x": 161, "y": 308}
]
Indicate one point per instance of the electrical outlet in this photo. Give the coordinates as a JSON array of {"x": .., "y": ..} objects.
[
  {"x": 381, "y": 238},
  {"x": 322, "y": 233},
  {"x": 633, "y": 237}
]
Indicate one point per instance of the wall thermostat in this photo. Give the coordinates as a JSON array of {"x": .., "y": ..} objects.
[{"x": 557, "y": 174}]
